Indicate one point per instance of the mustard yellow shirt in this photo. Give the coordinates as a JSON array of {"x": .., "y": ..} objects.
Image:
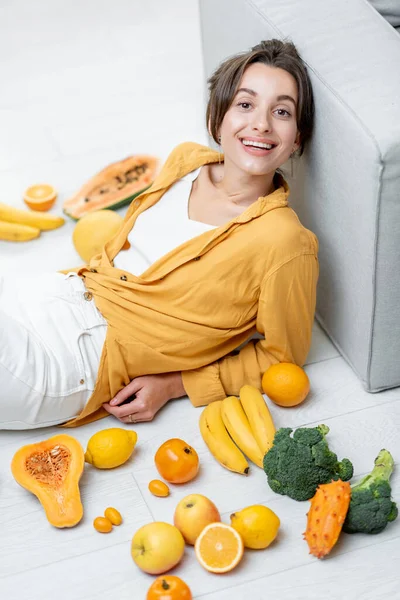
[{"x": 194, "y": 306}]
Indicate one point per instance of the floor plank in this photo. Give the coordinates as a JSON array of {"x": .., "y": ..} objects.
[{"x": 130, "y": 80}]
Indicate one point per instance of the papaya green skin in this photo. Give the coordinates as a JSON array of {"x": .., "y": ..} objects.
[{"x": 113, "y": 206}]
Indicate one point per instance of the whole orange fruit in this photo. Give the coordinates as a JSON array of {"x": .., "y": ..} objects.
[
  {"x": 286, "y": 384},
  {"x": 176, "y": 461},
  {"x": 169, "y": 587}
]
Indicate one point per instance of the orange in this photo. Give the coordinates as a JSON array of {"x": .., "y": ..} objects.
[
  {"x": 40, "y": 197},
  {"x": 219, "y": 548},
  {"x": 286, "y": 384}
]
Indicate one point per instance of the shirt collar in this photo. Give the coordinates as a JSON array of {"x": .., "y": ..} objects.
[{"x": 189, "y": 156}]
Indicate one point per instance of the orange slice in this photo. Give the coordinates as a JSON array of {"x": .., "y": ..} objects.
[
  {"x": 40, "y": 197},
  {"x": 219, "y": 548}
]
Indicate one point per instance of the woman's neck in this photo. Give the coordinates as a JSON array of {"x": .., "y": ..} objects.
[{"x": 237, "y": 187}]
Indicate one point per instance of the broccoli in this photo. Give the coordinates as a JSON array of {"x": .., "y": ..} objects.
[
  {"x": 371, "y": 507},
  {"x": 295, "y": 466}
]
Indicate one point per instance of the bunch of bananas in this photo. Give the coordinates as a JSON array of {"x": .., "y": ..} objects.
[
  {"x": 21, "y": 225},
  {"x": 232, "y": 428}
]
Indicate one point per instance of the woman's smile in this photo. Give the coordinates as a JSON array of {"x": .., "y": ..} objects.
[{"x": 257, "y": 147}]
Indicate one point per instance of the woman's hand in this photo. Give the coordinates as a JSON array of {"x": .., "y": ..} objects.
[{"x": 151, "y": 391}]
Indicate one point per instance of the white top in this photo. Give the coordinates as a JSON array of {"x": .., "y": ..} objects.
[{"x": 161, "y": 228}]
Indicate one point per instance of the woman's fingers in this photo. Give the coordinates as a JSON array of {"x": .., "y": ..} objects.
[
  {"x": 136, "y": 418},
  {"x": 133, "y": 407},
  {"x": 129, "y": 390}
]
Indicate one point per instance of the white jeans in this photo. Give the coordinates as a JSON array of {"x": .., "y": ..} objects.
[{"x": 51, "y": 338}]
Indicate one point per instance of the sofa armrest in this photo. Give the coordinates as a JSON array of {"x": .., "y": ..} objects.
[{"x": 346, "y": 188}]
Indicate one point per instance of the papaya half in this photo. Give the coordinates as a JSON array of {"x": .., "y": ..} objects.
[{"x": 114, "y": 186}]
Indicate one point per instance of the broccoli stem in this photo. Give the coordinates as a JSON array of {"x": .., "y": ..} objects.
[{"x": 384, "y": 465}]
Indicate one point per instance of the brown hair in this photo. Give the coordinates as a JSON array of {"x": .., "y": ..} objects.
[{"x": 225, "y": 81}]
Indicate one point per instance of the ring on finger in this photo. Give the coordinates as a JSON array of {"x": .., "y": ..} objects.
[{"x": 131, "y": 419}]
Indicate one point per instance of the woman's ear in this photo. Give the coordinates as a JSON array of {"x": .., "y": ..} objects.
[{"x": 297, "y": 143}]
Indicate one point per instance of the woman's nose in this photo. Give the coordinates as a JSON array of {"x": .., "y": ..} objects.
[{"x": 261, "y": 121}]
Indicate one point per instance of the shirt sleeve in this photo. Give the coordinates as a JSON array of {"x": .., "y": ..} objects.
[{"x": 285, "y": 318}]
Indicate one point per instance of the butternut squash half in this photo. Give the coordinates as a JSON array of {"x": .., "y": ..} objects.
[{"x": 51, "y": 470}]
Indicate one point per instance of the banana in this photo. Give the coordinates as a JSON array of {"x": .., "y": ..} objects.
[
  {"x": 219, "y": 443},
  {"x": 259, "y": 417},
  {"x": 33, "y": 218},
  {"x": 15, "y": 232},
  {"x": 238, "y": 427}
]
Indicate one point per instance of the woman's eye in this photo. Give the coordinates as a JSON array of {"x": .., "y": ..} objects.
[
  {"x": 244, "y": 105},
  {"x": 283, "y": 112}
]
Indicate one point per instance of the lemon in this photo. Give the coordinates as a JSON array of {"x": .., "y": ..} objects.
[
  {"x": 93, "y": 230},
  {"x": 257, "y": 524},
  {"x": 110, "y": 448}
]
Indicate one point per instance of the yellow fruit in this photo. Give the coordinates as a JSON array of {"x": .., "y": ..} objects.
[
  {"x": 258, "y": 415},
  {"x": 93, "y": 231},
  {"x": 286, "y": 384},
  {"x": 157, "y": 547},
  {"x": 33, "y": 218},
  {"x": 218, "y": 440},
  {"x": 113, "y": 515},
  {"x": 238, "y": 427},
  {"x": 192, "y": 514},
  {"x": 102, "y": 525},
  {"x": 110, "y": 448},
  {"x": 15, "y": 232},
  {"x": 258, "y": 525},
  {"x": 40, "y": 197},
  {"x": 219, "y": 548},
  {"x": 158, "y": 488}
]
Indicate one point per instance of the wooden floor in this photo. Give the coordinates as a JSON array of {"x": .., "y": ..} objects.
[{"x": 84, "y": 84}]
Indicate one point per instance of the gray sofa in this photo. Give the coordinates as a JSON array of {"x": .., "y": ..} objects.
[{"x": 346, "y": 187}]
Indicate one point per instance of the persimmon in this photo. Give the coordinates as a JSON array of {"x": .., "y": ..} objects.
[
  {"x": 176, "y": 461},
  {"x": 169, "y": 587}
]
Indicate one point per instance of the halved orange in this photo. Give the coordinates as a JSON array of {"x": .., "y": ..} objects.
[
  {"x": 40, "y": 196},
  {"x": 219, "y": 548}
]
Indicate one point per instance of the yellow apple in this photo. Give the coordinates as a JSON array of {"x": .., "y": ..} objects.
[
  {"x": 192, "y": 514},
  {"x": 157, "y": 547}
]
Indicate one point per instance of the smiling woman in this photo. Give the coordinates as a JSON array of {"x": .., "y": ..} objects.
[{"x": 163, "y": 319}]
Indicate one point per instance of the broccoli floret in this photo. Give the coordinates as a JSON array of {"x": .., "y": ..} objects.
[
  {"x": 344, "y": 470},
  {"x": 371, "y": 507},
  {"x": 295, "y": 466}
]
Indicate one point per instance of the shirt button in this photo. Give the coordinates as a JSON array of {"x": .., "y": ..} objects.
[
  {"x": 88, "y": 296},
  {"x": 197, "y": 258},
  {"x": 82, "y": 381},
  {"x": 124, "y": 278}
]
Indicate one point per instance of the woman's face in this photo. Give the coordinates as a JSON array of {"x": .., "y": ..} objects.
[{"x": 259, "y": 130}]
